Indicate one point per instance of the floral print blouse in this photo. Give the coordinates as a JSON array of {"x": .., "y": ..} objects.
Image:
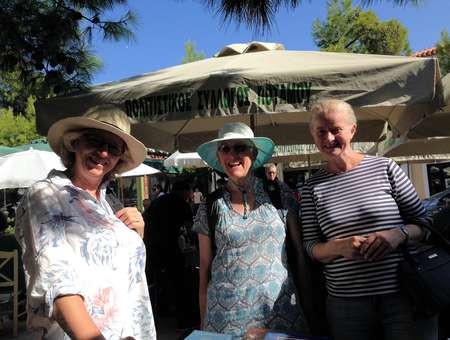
[{"x": 73, "y": 244}]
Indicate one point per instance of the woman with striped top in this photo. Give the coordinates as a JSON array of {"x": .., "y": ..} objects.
[{"x": 356, "y": 212}]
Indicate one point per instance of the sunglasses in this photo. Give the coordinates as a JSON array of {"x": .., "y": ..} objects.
[
  {"x": 237, "y": 148},
  {"x": 98, "y": 142}
]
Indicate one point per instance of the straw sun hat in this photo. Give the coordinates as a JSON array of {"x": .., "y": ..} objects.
[
  {"x": 106, "y": 117},
  {"x": 230, "y": 131}
]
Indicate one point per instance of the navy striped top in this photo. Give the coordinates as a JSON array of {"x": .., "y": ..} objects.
[{"x": 375, "y": 195}]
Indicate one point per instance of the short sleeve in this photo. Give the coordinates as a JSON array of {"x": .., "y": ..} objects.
[
  {"x": 48, "y": 257},
  {"x": 201, "y": 221}
]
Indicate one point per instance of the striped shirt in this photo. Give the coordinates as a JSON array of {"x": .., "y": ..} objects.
[{"x": 375, "y": 195}]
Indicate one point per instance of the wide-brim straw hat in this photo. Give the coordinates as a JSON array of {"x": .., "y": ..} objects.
[
  {"x": 232, "y": 131},
  {"x": 105, "y": 117}
]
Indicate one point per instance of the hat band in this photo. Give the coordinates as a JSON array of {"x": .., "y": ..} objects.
[
  {"x": 115, "y": 126},
  {"x": 233, "y": 135}
]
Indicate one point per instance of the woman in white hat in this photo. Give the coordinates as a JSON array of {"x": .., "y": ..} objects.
[
  {"x": 85, "y": 266},
  {"x": 244, "y": 279}
]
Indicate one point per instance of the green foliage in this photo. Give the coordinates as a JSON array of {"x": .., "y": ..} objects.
[
  {"x": 45, "y": 43},
  {"x": 191, "y": 53},
  {"x": 16, "y": 129},
  {"x": 259, "y": 14},
  {"x": 350, "y": 29},
  {"x": 443, "y": 52}
]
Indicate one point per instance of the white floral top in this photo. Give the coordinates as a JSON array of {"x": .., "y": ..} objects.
[{"x": 73, "y": 244}]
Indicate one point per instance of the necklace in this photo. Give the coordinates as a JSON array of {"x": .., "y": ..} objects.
[{"x": 243, "y": 190}]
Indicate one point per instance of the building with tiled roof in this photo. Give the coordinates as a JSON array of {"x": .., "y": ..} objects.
[{"x": 428, "y": 52}]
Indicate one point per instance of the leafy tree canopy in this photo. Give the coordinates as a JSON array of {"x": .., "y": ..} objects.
[
  {"x": 44, "y": 44},
  {"x": 443, "y": 52},
  {"x": 18, "y": 129},
  {"x": 350, "y": 29},
  {"x": 191, "y": 53},
  {"x": 259, "y": 14}
]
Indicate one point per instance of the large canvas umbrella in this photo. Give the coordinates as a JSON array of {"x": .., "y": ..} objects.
[
  {"x": 270, "y": 90},
  {"x": 22, "y": 169},
  {"x": 414, "y": 150},
  {"x": 427, "y": 140},
  {"x": 437, "y": 123}
]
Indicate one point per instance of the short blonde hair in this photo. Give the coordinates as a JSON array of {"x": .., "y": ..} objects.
[{"x": 326, "y": 105}]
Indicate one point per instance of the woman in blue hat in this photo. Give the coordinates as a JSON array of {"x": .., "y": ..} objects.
[{"x": 244, "y": 278}]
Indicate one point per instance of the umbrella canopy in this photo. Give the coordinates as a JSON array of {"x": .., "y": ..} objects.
[
  {"x": 22, "y": 169},
  {"x": 5, "y": 150},
  {"x": 185, "y": 160},
  {"x": 42, "y": 146},
  {"x": 141, "y": 170},
  {"x": 426, "y": 141},
  {"x": 409, "y": 150},
  {"x": 437, "y": 123},
  {"x": 270, "y": 90},
  {"x": 307, "y": 155}
]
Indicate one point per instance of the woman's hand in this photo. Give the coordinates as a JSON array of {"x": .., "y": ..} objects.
[
  {"x": 71, "y": 314},
  {"x": 381, "y": 243},
  {"x": 132, "y": 218},
  {"x": 348, "y": 247}
]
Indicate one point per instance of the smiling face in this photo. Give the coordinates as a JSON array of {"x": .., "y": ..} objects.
[
  {"x": 332, "y": 132},
  {"x": 96, "y": 154},
  {"x": 236, "y": 157}
]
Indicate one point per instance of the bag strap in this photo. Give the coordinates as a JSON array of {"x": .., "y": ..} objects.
[
  {"x": 212, "y": 213},
  {"x": 438, "y": 235}
]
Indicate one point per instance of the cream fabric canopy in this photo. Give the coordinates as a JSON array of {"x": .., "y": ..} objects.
[{"x": 271, "y": 90}]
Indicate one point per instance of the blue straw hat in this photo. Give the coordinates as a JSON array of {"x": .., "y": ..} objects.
[{"x": 230, "y": 131}]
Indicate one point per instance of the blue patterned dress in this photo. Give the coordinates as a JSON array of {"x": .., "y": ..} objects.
[{"x": 250, "y": 284}]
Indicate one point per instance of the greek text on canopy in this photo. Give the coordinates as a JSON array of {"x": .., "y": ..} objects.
[{"x": 221, "y": 98}]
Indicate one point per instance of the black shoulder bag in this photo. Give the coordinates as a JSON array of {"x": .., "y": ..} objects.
[{"x": 425, "y": 275}]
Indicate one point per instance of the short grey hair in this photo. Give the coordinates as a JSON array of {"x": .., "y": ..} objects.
[
  {"x": 326, "y": 105},
  {"x": 270, "y": 165}
]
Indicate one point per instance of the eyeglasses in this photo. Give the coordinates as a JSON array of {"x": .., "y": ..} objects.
[
  {"x": 98, "y": 142},
  {"x": 237, "y": 148}
]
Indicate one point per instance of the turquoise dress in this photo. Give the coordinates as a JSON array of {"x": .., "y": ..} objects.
[{"x": 250, "y": 283}]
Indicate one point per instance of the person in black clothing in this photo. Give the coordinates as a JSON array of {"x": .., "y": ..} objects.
[
  {"x": 271, "y": 184},
  {"x": 169, "y": 220}
]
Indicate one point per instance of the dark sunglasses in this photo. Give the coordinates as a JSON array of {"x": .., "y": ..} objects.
[
  {"x": 237, "y": 148},
  {"x": 98, "y": 142}
]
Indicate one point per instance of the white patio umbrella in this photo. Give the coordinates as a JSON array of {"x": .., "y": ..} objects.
[
  {"x": 141, "y": 170},
  {"x": 271, "y": 90},
  {"x": 185, "y": 160},
  {"x": 22, "y": 169}
]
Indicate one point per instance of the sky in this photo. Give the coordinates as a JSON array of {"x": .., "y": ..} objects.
[{"x": 164, "y": 26}]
